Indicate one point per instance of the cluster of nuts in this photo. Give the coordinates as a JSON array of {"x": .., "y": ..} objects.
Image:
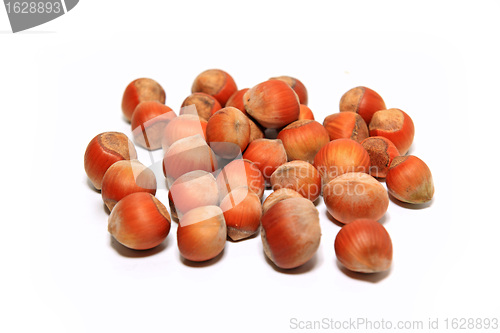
[{"x": 219, "y": 158}]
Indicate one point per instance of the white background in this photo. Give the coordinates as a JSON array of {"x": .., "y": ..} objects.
[{"x": 61, "y": 84}]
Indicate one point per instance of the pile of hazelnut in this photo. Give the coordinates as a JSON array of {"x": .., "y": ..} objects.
[{"x": 227, "y": 145}]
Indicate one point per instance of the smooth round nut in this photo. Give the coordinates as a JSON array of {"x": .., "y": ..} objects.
[
  {"x": 354, "y": 196},
  {"x": 291, "y": 232},
  {"x": 201, "y": 234},
  {"x": 139, "y": 221},
  {"x": 364, "y": 246},
  {"x": 103, "y": 151},
  {"x": 299, "y": 176}
]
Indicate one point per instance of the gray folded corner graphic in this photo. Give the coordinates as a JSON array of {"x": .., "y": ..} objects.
[
  {"x": 70, "y": 4},
  {"x": 31, "y": 13}
]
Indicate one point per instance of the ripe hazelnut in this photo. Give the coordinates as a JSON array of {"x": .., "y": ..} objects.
[
  {"x": 148, "y": 123},
  {"x": 291, "y": 232},
  {"x": 364, "y": 246},
  {"x": 355, "y": 195},
  {"x": 104, "y": 150},
  {"x": 277, "y": 196},
  {"x": 409, "y": 179},
  {"x": 242, "y": 213},
  {"x": 236, "y": 100},
  {"x": 299, "y": 176},
  {"x": 139, "y": 221},
  {"x": 181, "y": 127},
  {"x": 381, "y": 151},
  {"x": 193, "y": 189},
  {"x": 217, "y": 83},
  {"x": 346, "y": 125},
  {"x": 267, "y": 154},
  {"x": 228, "y": 132},
  {"x": 305, "y": 113},
  {"x": 189, "y": 154},
  {"x": 363, "y": 101},
  {"x": 394, "y": 125},
  {"x": 205, "y": 104},
  {"x": 141, "y": 90},
  {"x": 126, "y": 177},
  {"x": 341, "y": 156},
  {"x": 240, "y": 173},
  {"x": 303, "y": 139},
  {"x": 201, "y": 234},
  {"x": 273, "y": 104},
  {"x": 296, "y": 85}
]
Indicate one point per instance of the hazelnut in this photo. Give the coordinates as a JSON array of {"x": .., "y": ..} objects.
[
  {"x": 409, "y": 179},
  {"x": 381, "y": 151},
  {"x": 394, "y": 125},
  {"x": 104, "y": 150},
  {"x": 291, "y": 232},
  {"x": 139, "y": 221},
  {"x": 148, "y": 123},
  {"x": 236, "y": 100},
  {"x": 277, "y": 196},
  {"x": 346, "y": 125},
  {"x": 364, "y": 246},
  {"x": 242, "y": 213},
  {"x": 228, "y": 132},
  {"x": 124, "y": 178},
  {"x": 363, "y": 101},
  {"x": 189, "y": 154},
  {"x": 217, "y": 83},
  {"x": 305, "y": 113},
  {"x": 273, "y": 104},
  {"x": 296, "y": 85},
  {"x": 267, "y": 154},
  {"x": 341, "y": 156},
  {"x": 201, "y": 234},
  {"x": 299, "y": 176},
  {"x": 205, "y": 105},
  {"x": 240, "y": 173},
  {"x": 303, "y": 139},
  {"x": 193, "y": 189},
  {"x": 181, "y": 127},
  {"x": 355, "y": 195},
  {"x": 141, "y": 90}
]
